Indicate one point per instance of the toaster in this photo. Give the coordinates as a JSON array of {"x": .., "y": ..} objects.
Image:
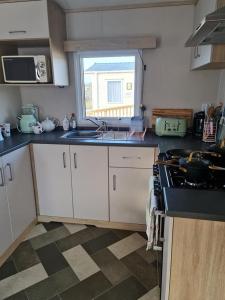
[{"x": 170, "y": 127}]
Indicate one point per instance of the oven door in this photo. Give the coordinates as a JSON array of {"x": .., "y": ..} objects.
[{"x": 19, "y": 69}]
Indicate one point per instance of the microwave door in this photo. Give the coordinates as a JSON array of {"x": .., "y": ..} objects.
[{"x": 20, "y": 70}]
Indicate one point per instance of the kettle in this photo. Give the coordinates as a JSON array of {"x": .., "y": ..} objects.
[
  {"x": 49, "y": 125},
  {"x": 26, "y": 122}
]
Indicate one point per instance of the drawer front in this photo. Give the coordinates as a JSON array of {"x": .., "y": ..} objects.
[{"x": 131, "y": 157}]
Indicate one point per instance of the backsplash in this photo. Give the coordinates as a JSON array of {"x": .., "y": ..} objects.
[{"x": 10, "y": 103}]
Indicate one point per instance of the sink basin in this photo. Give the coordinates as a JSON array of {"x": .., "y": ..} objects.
[{"x": 81, "y": 134}]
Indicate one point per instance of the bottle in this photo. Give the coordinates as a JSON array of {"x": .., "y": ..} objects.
[
  {"x": 66, "y": 123},
  {"x": 73, "y": 123}
]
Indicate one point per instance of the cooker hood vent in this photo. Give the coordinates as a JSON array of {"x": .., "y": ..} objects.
[{"x": 211, "y": 31}]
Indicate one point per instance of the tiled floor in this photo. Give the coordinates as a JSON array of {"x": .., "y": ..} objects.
[{"x": 72, "y": 262}]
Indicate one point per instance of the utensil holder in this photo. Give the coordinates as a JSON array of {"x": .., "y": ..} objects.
[{"x": 209, "y": 131}]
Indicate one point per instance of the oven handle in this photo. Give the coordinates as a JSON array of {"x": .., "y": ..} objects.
[{"x": 158, "y": 230}]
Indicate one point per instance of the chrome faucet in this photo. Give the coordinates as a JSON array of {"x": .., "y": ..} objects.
[{"x": 103, "y": 124}]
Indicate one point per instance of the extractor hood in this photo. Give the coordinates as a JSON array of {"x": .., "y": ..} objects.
[{"x": 210, "y": 31}]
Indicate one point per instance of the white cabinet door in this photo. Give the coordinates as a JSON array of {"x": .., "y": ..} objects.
[
  {"x": 89, "y": 165},
  {"x": 24, "y": 20},
  {"x": 20, "y": 191},
  {"x": 5, "y": 222},
  {"x": 129, "y": 192},
  {"x": 53, "y": 176}
]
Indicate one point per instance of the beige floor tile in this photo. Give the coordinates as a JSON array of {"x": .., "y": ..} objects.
[
  {"x": 37, "y": 230},
  {"x": 20, "y": 281},
  {"x": 127, "y": 245},
  {"x": 154, "y": 294},
  {"x": 73, "y": 228},
  {"x": 81, "y": 263}
]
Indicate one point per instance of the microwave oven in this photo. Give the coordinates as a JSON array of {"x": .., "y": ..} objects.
[{"x": 26, "y": 69}]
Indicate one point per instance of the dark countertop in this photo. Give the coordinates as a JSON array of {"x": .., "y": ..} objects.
[
  {"x": 195, "y": 204},
  {"x": 18, "y": 140},
  {"x": 190, "y": 203}
]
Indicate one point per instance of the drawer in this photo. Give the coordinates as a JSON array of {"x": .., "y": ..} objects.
[{"x": 131, "y": 157}]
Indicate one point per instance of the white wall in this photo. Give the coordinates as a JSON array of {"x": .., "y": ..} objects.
[
  {"x": 221, "y": 88},
  {"x": 168, "y": 80},
  {"x": 10, "y": 104}
]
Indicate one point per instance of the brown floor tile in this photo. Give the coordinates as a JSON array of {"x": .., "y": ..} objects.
[
  {"x": 129, "y": 289},
  {"x": 100, "y": 242},
  {"x": 52, "y": 259},
  {"x": 88, "y": 288},
  {"x": 122, "y": 233},
  {"x": 7, "y": 269},
  {"x": 18, "y": 296},
  {"x": 149, "y": 256},
  {"x": 53, "y": 285},
  {"x": 144, "y": 272},
  {"x": 80, "y": 237},
  {"x": 52, "y": 225},
  {"x": 110, "y": 266},
  {"x": 49, "y": 237},
  {"x": 25, "y": 256}
]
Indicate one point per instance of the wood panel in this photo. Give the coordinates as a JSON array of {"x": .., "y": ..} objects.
[
  {"x": 198, "y": 260},
  {"x": 104, "y": 224},
  {"x": 173, "y": 113},
  {"x": 118, "y": 43},
  {"x": 132, "y": 6}
]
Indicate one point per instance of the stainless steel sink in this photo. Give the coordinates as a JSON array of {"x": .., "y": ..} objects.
[{"x": 81, "y": 134}]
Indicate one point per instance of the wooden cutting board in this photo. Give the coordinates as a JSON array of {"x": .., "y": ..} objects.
[{"x": 172, "y": 113}]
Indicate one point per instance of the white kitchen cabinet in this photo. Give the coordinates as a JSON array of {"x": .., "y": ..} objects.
[
  {"x": 24, "y": 20},
  {"x": 6, "y": 237},
  {"x": 89, "y": 167},
  {"x": 130, "y": 169},
  {"x": 20, "y": 191},
  {"x": 53, "y": 177},
  {"x": 208, "y": 56},
  {"x": 129, "y": 191}
]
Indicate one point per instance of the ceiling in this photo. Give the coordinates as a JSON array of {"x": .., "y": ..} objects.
[{"x": 96, "y": 5}]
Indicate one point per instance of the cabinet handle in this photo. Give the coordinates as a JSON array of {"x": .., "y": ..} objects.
[
  {"x": 2, "y": 177},
  {"x": 114, "y": 182},
  {"x": 75, "y": 160},
  {"x": 10, "y": 171},
  {"x": 17, "y": 31},
  {"x": 64, "y": 160},
  {"x": 131, "y": 157}
]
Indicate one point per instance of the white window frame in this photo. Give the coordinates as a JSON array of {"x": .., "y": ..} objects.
[{"x": 79, "y": 85}]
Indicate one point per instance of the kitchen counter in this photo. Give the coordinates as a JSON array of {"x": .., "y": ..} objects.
[
  {"x": 195, "y": 204},
  {"x": 18, "y": 140}
]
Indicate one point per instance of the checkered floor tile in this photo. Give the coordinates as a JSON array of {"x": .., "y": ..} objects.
[{"x": 72, "y": 262}]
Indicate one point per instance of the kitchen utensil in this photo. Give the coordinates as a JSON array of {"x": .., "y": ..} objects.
[
  {"x": 198, "y": 123},
  {"x": 37, "y": 129},
  {"x": 26, "y": 122},
  {"x": 6, "y": 129},
  {"x": 170, "y": 127},
  {"x": 30, "y": 109},
  {"x": 49, "y": 125}
]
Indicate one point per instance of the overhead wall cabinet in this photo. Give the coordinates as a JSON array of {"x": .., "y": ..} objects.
[
  {"x": 209, "y": 56},
  {"x": 26, "y": 27}
]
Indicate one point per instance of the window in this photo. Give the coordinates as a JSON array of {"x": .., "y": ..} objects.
[
  {"x": 108, "y": 84},
  {"x": 114, "y": 91}
]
